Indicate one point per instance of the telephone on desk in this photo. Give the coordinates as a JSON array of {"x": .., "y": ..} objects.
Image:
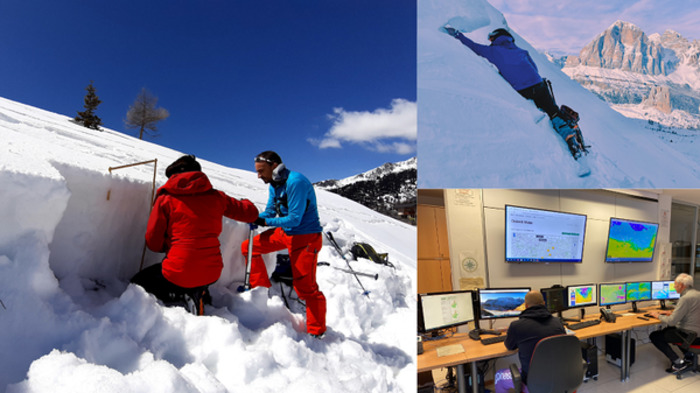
[{"x": 607, "y": 315}]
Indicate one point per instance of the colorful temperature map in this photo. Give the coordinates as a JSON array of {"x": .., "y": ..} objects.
[
  {"x": 638, "y": 291},
  {"x": 581, "y": 296},
  {"x": 612, "y": 294},
  {"x": 633, "y": 241}
]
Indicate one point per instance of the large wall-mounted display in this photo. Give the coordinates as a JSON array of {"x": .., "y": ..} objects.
[
  {"x": 631, "y": 241},
  {"x": 535, "y": 235}
]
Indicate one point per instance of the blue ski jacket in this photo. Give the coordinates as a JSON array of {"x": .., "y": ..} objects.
[
  {"x": 514, "y": 64},
  {"x": 292, "y": 205}
]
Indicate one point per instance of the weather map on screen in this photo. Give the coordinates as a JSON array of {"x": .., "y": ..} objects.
[
  {"x": 638, "y": 291},
  {"x": 582, "y": 295},
  {"x": 534, "y": 235},
  {"x": 612, "y": 294},
  {"x": 631, "y": 241},
  {"x": 664, "y": 290}
]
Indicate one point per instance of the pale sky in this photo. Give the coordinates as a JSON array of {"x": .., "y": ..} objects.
[{"x": 568, "y": 25}]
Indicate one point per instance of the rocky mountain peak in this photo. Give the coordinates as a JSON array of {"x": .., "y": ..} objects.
[
  {"x": 626, "y": 47},
  {"x": 652, "y": 76}
]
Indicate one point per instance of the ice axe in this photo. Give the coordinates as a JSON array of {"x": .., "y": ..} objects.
[{"x": 246, "y": 284}]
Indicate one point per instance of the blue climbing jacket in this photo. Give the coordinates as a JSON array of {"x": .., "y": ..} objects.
[
  {"x": 292, "y": 205},
  {"x": 514, "y": 64}
]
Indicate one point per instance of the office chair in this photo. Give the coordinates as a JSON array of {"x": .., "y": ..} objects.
[
  {"x": 687, "y": 346},
  {"x": 557, "y": 366}
]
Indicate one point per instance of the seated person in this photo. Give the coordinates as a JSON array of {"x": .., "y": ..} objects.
[
  {"x": 185, "y": 224},
  {"x": 686, "y": 315},
  {"x": 533, "y": 324}
]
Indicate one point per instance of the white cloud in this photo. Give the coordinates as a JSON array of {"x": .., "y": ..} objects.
[{"x": 384, "y": 130}]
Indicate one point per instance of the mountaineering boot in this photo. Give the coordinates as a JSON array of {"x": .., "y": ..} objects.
[
  {"x": 568, "y": 134},
  {"x": 575, "y": 147}
]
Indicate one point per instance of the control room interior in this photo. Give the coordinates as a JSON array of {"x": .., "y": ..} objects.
[{"x": 462, "y": 246}]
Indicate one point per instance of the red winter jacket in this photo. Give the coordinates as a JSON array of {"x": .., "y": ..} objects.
[{"x": 185, "y": 223}]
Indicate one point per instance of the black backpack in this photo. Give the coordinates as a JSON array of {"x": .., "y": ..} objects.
[{"x": 364, "y": 250}]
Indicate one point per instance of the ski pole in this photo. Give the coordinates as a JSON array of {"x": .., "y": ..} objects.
[
  {"x": 246, "y": 284},
  {"x": 374, "y": 276},
  {"x": 337, "y": 247}
]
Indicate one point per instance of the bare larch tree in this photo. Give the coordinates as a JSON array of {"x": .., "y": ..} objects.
[{"x": 144, "y": 115}]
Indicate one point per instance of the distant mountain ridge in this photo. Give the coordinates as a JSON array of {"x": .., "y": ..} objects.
[
  {"x": 653, "y": 77},
  {"x": 388, "y": 189}
]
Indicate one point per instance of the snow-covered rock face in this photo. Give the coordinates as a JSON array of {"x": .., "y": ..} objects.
[
  {"x": 72, "y": 234},
  {"x": 658, "y": 73}
]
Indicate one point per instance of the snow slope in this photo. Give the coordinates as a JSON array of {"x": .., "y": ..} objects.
[
  {"x": 476, "y": 131},
  {"x": 72, "y": 236}
]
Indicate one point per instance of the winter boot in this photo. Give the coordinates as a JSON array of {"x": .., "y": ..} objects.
[
  {"x": 569, "y": 135},
  {"x": 575, "y": 147}
]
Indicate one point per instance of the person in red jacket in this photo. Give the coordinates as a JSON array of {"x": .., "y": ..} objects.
[{"x": 185, "y": 224}]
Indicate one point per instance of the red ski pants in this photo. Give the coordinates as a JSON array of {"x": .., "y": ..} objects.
[{"x": 303, "y": 254}]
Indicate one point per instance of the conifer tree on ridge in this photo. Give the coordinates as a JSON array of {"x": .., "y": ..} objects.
[{"x": 88, "y": 118}]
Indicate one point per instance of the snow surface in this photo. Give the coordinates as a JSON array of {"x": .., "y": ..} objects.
[
  {"x": 475, "y": 130},
  {"x": 73, "y": 233}
]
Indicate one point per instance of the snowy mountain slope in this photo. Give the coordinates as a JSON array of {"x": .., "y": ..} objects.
[
  {"x": 371, "y": 175},
  {"x": 72, "y": 236},
  {"x": 476, "y": 131},
  {"x": 381, "y": 188}
]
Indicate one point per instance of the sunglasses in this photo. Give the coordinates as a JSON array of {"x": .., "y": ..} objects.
[{"x": 263, "y": 159}]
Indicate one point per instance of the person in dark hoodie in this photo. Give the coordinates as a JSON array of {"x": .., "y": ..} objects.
[
  {"x": 185, "y": 224},
  {"x": 517, "y": 68},
  {"x": 534, "y": 324}
]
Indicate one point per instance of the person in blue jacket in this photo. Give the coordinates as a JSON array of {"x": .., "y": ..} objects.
[
  {"x": 517, "y": 68},
  {"x": 291, "y": 209}
]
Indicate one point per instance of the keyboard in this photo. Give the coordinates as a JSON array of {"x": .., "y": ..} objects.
[
  {"x": 649, "y": 316},
  {"x": 493, "y": 340},
  {"x": 584, "y": 324}
]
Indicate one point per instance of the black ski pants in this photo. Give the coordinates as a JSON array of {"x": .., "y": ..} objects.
[
  {"x": 542, "y": 97},
  {"x": 153, "y": 281},
  {"x": 664, "y": 338}
]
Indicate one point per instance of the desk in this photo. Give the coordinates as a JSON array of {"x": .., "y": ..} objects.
[{"x": 474, "y": 351}]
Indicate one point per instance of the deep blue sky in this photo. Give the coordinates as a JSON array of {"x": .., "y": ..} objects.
[{"x": 238, "y": 77}]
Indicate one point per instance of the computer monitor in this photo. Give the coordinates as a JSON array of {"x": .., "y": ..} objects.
[
  {"x": 582, "y": 295},
  {"x": 555, "y": 299},
  {"x": 536, "y": 235},
  {"x": 501, "y": 302},
  {"x": 664, "y": 290},
  {"x": 631, "y": 241},
  {"x": 612, "y": 293},
  {"x": 637, "y": 291},
  {"x": 442, "y": 310}
]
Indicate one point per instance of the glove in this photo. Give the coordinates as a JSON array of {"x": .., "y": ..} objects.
[
  {"x": 452, "y": 31},
  {"x": 260, "y": 222}
]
